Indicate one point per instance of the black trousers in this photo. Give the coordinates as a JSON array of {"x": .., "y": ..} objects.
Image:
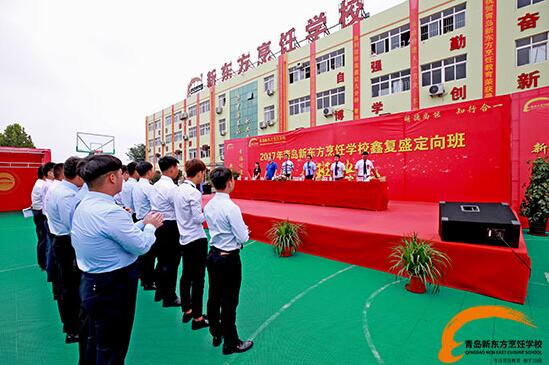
[
  {"x": 225, "y": 277},
  {"x": 42, "y": 235},
  {"x": 168, "y": 252},
  {"x": 109, "y": 302},
  {"x": 191, "y": 284},
  {"x": 309, "y": 177}
]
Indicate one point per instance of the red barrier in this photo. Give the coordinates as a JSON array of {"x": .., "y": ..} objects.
[{"x": 17, "y": 175}]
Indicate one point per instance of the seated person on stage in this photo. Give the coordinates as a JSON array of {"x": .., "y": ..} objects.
[
  {"x": 309, "y": 168},
  {"x": 257, "y": 172},
  {"x": 337, "y": 169},
  {"x": 287, "y": 167},
  {"x": 270, "y": 170},
  {"x": 364, "y": 168}
]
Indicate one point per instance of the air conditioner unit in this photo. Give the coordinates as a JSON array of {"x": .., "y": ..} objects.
[
  {"x": 262, "y": 125},
  {"x": 186, "y": 137},
  {"x": 219, "y": 110},
  {"x": 270, "y": 92},
  {"x": 184, "y": 116},
  {"x": 271, "y": 123},
  {"x": 299, "y": 65},
  {"x": 328, "y": 112},
  {"x": 223, "y": 133},
  {"x": 436, "y": 90},
  {"x": 250, "y": 96}
]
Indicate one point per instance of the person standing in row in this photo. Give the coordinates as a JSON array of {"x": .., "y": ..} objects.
[
  {"x": 107, "y": 244},
  {"x": 364, "y": 168},
  {"x": 39, "y": 218},
  {"x": 228, "y": 233},
  {"x": 125, "y": 176},
  {"x": 194, "y": 244},
  {"x": 257, "y": 172},
  {"x": 337, "y": 169},
  {"x": 61, "y": 205},
  {"x": 270, "y": 170},
  {"x": 142, "y": 194},
  {"x": 309, "y": 168},
  {"x": 287, "y": 167},
  {"x": 127, "y": 189},
  {"x": 167, "y": 237}
]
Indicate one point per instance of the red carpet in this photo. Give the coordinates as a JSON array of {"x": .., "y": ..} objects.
[{"x": 365, "y": 238}]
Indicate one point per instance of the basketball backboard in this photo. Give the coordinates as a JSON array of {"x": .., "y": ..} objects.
[{"x": 92, "y": 143}]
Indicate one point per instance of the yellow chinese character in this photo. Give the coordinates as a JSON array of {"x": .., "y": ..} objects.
[
  {"x": 287, "y": 152},
  {"x": 405, "y": 145},
  {"x": 426, "y": 116},
  {"x": 417, "y": 117},
  {"x": 540, "y": 148},
  {"x": 460, "y": 111},
  {"x": 484, "y": 107},
  {"x": 438, "y": 142},
  {"x": 436, "y": 115},
  {"x": 363, "y": 147},
  {"x": 320, "y": 152},
  {"x": 390, "y": 145},
  {"x": 456, "y": 140},
  {"x": 302, "y": 153},
  {"x": 311, "y": 151},
  {"x": 330, "y": 150},
  {"x": 340, "y": 149},
  {"x": 349, "y": 167},
  {"x": 293, "y": 154},
  {"x": 407, "y": 118},
  {"x": 351, "y": 148},
  {"x": 279, "y": 155},
  {"x": 421, "y": 143},
  {"x": 472, "y": 109},
  {"x": 376, "y": 147}
]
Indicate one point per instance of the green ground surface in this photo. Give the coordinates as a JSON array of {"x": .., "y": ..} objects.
[{"x": 300, "y": 310}]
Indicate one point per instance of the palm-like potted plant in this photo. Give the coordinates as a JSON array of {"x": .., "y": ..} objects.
[
  {"x": 285, "y": 237},
  {"x": 535, "y": 205},
  {"x": 421, "y": 262}
]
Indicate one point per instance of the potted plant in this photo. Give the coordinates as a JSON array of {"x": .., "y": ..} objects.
[
  {"x": 420, "y": 261},
  {"x": 285, "y": 237},
  {"x": 535, "y": 205}
]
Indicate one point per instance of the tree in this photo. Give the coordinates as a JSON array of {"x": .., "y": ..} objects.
[
  {"x": 136, "y": 153},
  {"x": 15, "y": 136}
]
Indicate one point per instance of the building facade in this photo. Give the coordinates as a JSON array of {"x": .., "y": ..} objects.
[{"x": 418, "y": 54}]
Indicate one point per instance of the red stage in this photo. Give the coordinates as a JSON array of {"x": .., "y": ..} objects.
[
  {"x": 347, "y": 194},
  {"x": 365, "y": 238}
]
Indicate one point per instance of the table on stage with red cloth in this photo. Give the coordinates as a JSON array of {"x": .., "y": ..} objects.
[{"x": 347, "y": 194}]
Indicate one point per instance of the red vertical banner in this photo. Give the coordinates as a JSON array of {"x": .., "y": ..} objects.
[
  {"x": 282, "y": 96},
  {"x": 162, "y": 134},
  {"x": 154, "y": 138},
  {"x": 212, "y": 126},
  {"x": 312, "y": 61},
  {"x": 197, "y": 125},
  {"x": 173, "y": 129},
  {"x": 414, "y": 53},
  {"x": 184, "y": 132},
  {"x": 146, "y": 138},
  {"x": 489, "y": 12},
  {"x": 356, "y": 71}
]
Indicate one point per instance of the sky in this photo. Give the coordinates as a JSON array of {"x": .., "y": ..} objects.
[{"x": 70, "y": 66}]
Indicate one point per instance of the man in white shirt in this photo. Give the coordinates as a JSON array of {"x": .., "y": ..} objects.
[
  {"x": 337, "y": 169},
  {"x": 194, "y": 244},
  {"x": 39, "y": 218},
  {"x": 118, "y": 197},
  {"x": 228, "y": 233},
  {"x": 127, "y": 188},
  {"x": 309, "y": 168},
  {"x": 364, "y": 168},
  {"x": 287, "y": 167},
  {"x": 167, "y": 236}
]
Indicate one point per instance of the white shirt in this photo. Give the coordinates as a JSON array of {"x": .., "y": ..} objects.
[
  {"x": 62, "y": 202},
  {"x": 309, "y": 168},
  {"x": 46, "y": 193},
  {"x": 228, "y": 231},
  {"x": 361, "y": 166},
  {"x": 340, "y": 170},
  {"x": 187, "y": 201},
  {"x": 36, "y": 195},
  {"x": 287, "y": 167},
  {"x": 141, "y": 194},
  {"x": 126, "y": 193},
  {"x": 162, "y": 199}
]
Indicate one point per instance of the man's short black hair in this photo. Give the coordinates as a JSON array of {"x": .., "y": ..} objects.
[
  {"x": 93, "y": 167},
  {"x": 338, "y": 156},
  {"x": 167, "y": 162},
  {"x": 309, "y": 156},
  {"x": 131, "y": 167},
  {"x": 220, "y": 176},
  {"x": 70, "y": 167},
  {"x": 364, "y": 153},
  {"x": 40, "y": 172},
  {"x": 58, "y": 170},
  {"x": 124, "y": 169},
  {"x": 143, "y": 167},
  {"x": 48, "y": 166}
]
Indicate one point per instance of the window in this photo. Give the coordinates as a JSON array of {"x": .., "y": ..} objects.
[
  {"x": 330, "y": 61},
  {"x": 157, "y": 141},
  {"x": 222, "y": 126},
  {"x": 222, "y": 152},
  {"x": 532, "y": 50},
  {"x": 391, "y": 84},
  {"x": 300, "y": 72},
  {"x": 453, "y": 68},
  {"x": 192, "y": 132},
  {"x": 300, "y": 105},
  {"x": 221, "y": 100},
  {"x": 168, "y": 121},
  {"x": 269, "y": 113},
  {"x": 168, "y": 138},
  {"x": 150, "y": 142},
  {"x": 157, "y": 124},
  {"x": 177, "y": 117},
  {"x": 269, "y": 83},
  {"x": 205, "y": 151},
  {"x": 330, "y": 98},
  {"x": 393, "y": 39},
  {"x": 523, "y": 3},
  {"x": 204, "y": 129},
  {"x": 178, "y": 136},
  {"x": 192, "y": 153},
  {"x": 192, "y": 111},
  {"x": 443, "y": 22},
  {"x": 205, "y": 106},
  {"x": 151, "y": 126}
]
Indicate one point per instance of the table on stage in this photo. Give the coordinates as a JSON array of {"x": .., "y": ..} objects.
[{"x": 347, "y": 194}]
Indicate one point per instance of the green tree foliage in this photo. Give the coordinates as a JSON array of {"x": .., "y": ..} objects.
[
  {"x": 136, "y": 153},
  {"x": 15, "y": 136}
]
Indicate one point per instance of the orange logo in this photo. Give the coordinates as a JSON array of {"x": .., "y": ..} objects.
[
  {"x": 7, "y": 181},
  {"x": 472, "y": 314},
  {"x": 536, "y": 103},
  {"x": 253, "y": 142}
]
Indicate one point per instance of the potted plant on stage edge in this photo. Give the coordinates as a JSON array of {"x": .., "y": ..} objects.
[
  {"x": 420, "y": 261},
  {"x": 285, "y": 237},
  {"x": 535, "y": 205}
]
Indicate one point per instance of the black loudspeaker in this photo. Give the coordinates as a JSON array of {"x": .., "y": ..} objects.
[{"x": 484, "y": 223}]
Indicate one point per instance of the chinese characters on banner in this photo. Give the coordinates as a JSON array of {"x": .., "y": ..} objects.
[
  {"x": 489, "y": 48},
  {"x": 458, "y": 42},
  {"x": 527, "y": 80},
  {"x": 414, "y": 53},
  {"x": 356, "y": 71}
]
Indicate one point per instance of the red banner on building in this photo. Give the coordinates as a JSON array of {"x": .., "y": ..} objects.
[
  {"x": 489, "y": 12},
  {"x": 458, "y": 152},
  {"x": 356, "y": 71},
  {"x": 312, "y": 62},
  {"x": 414, "y": 54}
]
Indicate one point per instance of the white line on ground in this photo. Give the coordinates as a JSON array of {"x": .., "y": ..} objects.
[
  {"x": 17, "y": 268},
  {"x": 365, "y": 328}
]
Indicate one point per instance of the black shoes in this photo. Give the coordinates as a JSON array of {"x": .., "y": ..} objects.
[
  {"x": 72, "y": 338},
  {"x": 171, "y": 303},
  {"x": 196, "y": 325},
  {"x": 216, "y": 341},
  {"x": 157, "y": 296},
  {"x": 187, "y": 317},
  {"x": 241, "y": 346},
  {"x": 149, "y": 286}
]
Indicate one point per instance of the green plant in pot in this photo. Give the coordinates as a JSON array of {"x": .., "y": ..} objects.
[
  {"x": 535, "y": 205},
  {"x": 285, "y": 237},
  {"x": 420, "y": 261}
]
